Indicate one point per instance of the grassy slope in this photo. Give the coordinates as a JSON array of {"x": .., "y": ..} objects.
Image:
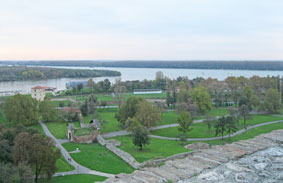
[
  {"x": 97, "y": 157},
  {"x": 63, "y": 165},
  {"x": 200, "y": 130},
  {"x": 83, "y": 178},
  {"x": 156, "y": 149},
  {"x": 59, "y": 129},
  {"x": 109, "y": 116}
]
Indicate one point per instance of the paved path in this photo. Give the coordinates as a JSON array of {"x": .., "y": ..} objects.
[
  {"x": 124, "y": 132},
  {"x": 79, "y": 169},
  {"x": 219, "y": 138}
]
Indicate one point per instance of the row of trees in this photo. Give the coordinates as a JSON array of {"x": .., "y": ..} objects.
[
  {"x": 16, "y": 73},
  {"x": 22, "y": 109}
]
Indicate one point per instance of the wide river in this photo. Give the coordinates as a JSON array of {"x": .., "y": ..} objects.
[{"x": 134, "y": 74}]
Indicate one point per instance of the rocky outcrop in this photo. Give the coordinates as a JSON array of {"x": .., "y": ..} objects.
[
  {"x": 197, "y": 146},
  {"x": 184, "y": 170}
]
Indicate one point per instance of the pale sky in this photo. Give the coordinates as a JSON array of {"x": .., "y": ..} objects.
[{"x": 141, "y": 29}]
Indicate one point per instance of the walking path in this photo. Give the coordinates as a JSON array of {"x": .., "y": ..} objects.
[
  {"x": 79, "y": 169},
  {"x": 124, "y": 132},
  {"x": 219, "y": 138}
]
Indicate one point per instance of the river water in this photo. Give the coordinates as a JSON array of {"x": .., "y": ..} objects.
[{"x": 133, "y": 74}]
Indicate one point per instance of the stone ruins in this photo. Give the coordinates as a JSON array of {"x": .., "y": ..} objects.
[{"x": 255, "y": 160}]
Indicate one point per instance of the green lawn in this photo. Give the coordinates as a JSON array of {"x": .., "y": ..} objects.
[
  {"x": 157, "y": 148},
  {"x": 63, "y": 165},
  {"x": 111, "y": 122},
  {"x": 249, "y": 134},
  {"x": 59, "y": 129},
  {"x": 200, "y": 130},
  {"x": 83, "y": 178},
  {"x": 84, "y": 131},
  {"x": 97, "y": 157}
]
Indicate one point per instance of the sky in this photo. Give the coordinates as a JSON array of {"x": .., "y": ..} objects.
[{"x": 141, "y": 30}]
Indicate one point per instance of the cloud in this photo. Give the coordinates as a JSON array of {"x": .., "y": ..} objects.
[{"x": 134, "y": 29}]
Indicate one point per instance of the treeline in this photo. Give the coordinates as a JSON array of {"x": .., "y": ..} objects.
[
  {"x": 233, "y": 65},
  {"x": 17, "y": 73}
]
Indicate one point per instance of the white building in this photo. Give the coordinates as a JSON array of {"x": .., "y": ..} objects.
[
  {"x": 147, "y": 91},
  {"x": 38, "y": 93}
]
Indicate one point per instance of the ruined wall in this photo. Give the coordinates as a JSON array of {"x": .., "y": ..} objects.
[{"x": 122, "y": 154}]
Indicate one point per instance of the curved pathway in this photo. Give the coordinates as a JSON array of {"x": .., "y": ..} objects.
[
  {"x": 79, "y": 169},
  {"x": 124, "y": 132},
  {"x": 219, "y": 138}
]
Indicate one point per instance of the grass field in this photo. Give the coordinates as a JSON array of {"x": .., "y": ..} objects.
[
  {"x": 63, "y": 165},
  {"x": 109, "y": 116},
  {"x": 59, "y": 129},
  {"x": 78, "y": 178},
  {"x": 200, "y": 130},
  {"x": 249, "y": 134},
  {"x": 97, "y": 157},
  {"x": 157, "y": 148}
]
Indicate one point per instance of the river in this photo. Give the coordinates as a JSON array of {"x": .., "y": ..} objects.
[{"x": 134, "y": 74}]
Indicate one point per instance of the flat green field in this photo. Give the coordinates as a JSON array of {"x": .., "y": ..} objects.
[
  {"x": 78, "y": 178},
  {"x": 109, "y": 116},
  {"x": 200, "y": 130},
  {"x": 157, "y": 148},
  {"x": 59, "y": 129},
  {"x": 97, "y": 157}
]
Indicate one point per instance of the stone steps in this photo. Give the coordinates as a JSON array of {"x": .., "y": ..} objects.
[{"x": 181, "y": 169}]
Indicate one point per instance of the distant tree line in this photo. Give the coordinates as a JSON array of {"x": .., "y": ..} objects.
[
  {"x": 235, "y": 65},
  {"x": 17, "y": 73}
]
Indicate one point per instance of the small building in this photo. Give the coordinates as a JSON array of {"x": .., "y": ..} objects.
[
  {"x": 147, "y": 91},
  {"x": 38, "y": 93}
]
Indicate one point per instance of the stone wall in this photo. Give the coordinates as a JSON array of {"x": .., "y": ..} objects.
[
  {"x": 87, "y": 139},
  {"x": 194, "y": 164},
  {"x": 122, "y": 154}
]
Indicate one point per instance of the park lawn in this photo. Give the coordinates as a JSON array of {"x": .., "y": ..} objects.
[
  {"x": 59, "y": 129},
  {"x": 63, "y": 165},
  {"x": 200, "y": 130},
  {"x": 158, "y": 148},
  {"x": 248, "y": 134},
  {"x": 147, "y": 96},
  {"x": 108, "y": 115},
  {"x": 84, "y": 178},
  {"x": 170, "y": 117},
  {"x": 97, "y": 157},
  {"x": 84, "y": 131}
]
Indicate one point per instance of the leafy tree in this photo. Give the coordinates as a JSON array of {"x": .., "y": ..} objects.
[
  {"x": 245, "y": 114},
  {"x": 128, "y": 109},
  {"x": 119, "y": 89},
  {"x": 185, "y": 122},
  {"x": 220, "y": 126},
  {"x": 147, "y": 114},
  {"x": 38, "y": 152},
  {"x": 230, "y": 125},
  {"x": 48, "y": 110},
  {"x": 249, "y": 98},
  {"x": 209, "y": 120},
  {"x": 92, "y": 103},
  {"x": 140, "y": 136},
  {"x": 5, "y": 151},
  {"x": 21, "y": 109},
  {"x": 84, "y": 108},
  {"x": 202, "y": 99},
  {"x": 272, "y": 101},
  {"x": 234, "y": 112}
]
